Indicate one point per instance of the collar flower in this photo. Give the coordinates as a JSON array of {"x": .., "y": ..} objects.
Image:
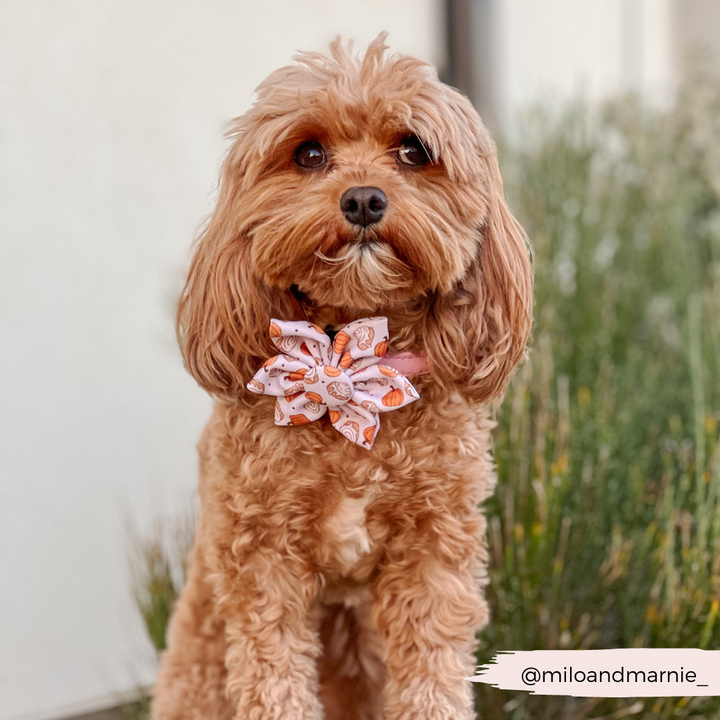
[{"x": 314, "y": 375}]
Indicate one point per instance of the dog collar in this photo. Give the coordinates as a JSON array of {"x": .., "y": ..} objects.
[
  {"x": 314, "y": 374},
  {"x": 408, "y": 363}
]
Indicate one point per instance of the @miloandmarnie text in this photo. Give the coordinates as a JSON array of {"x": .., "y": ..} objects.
[{"x": 634, "y": 672}]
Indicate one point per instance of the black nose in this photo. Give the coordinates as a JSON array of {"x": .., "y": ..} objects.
[{"x": 363, "y": 205}]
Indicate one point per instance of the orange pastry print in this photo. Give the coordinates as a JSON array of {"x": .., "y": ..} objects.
[
  {"x": 346, "y": 361},
  {"x": 370, "y": 405},
  {"x": 369, "y": 434},
  {"x": 364, "y": 336},
  {"x": 317, "y": 328},
  {"x": 275, "y": 330},
  {"x": 279, "y": 417},
  {"x": 286, "y": 344},
  {"x": 331, "y": 371},
  {"x": 299, "y": 419},
  {"x": 393, "y": 398},
  {"x": 340, "y": 390},
  {"x": 410, "y": 390},
  {"x": 270, "y": 361},
  {"x": 385, "y": 370},
  {"x": 256, "y": 386},
  {"x": 297, "y": 374},
  {"x": 314, "y": 397},
  {"x": 351, "y": 430},
  {"x": 341, "y": 340},
  {"x": 381, "y": 348},
  {"x": 304, "y": 349},
  {"x": 334, "y": 415}
]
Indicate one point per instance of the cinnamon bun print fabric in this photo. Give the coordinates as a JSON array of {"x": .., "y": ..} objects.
[{"x": 314, "y": 375}]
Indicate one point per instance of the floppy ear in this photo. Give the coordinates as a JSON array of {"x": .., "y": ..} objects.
[
  {"x": 224, "y": 311},
  {"x": 477, "y": 334}
]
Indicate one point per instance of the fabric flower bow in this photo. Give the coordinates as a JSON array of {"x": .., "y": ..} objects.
[{"x": 314, "y": 375}]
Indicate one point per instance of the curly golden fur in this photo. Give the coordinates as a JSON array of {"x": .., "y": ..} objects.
[{"x": 326, "y": 580}]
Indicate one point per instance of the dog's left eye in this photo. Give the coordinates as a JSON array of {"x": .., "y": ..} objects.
[
  {"x": 310, "y": 155},
  {"x": 412, "y": 151}
]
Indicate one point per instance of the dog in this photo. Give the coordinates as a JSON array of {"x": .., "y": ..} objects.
[{"x": 340, "y": 574}]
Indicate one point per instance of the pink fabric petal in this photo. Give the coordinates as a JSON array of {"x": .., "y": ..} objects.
[
  {"x": 357, "y": 425},
  {"x": 360, "y": 344},
  {"x": 302, "y": 340},
  {"x": 281, "y": 375},
  {"x": 297, "y": 410},
  {"x": 385, "y": 387}
]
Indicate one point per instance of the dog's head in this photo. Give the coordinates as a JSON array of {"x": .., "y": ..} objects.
[{"x": 366, "y": 187}]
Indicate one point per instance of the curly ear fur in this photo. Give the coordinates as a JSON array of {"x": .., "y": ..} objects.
[
  {"x": 225, "y": 310},
  {"x": 476, "y": 335}
]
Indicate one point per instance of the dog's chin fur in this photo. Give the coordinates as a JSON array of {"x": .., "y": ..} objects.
[
  {"x": 365, "y": 274},
  {"x": 328, "y": 581}
]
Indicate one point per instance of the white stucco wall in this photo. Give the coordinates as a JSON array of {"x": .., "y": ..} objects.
[
  {"x": 554, "y": 50},
  {"x": 110, "y": 136}
]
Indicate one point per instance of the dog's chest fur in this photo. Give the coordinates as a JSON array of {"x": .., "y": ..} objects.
[
  {"x": 307, "y": 491},
  {"x": 347, "y": 531}
]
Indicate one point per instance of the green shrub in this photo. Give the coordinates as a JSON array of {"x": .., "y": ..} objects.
[
  {"x": 605, "y": 529},
  {"x": 158, "y": 564}
]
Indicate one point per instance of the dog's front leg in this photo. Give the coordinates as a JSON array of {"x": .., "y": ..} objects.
[
  {"x": 266, "y": 599},
  {"x": 428, "y": 609}
]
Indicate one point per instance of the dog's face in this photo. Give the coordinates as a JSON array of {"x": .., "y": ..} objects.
[{"x": 364, "y": 186}]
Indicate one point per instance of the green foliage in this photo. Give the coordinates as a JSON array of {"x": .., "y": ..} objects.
[
  {"x": 158, "y": 564},
  {"x": 605, "y": 529},
  {"x": 156, "y": 594}
]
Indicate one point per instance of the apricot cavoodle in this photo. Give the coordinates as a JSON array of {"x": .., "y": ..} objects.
[{"x": 329, "y": 580}]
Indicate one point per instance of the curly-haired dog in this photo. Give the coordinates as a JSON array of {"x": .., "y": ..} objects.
[{"x": 329, "y": 580}]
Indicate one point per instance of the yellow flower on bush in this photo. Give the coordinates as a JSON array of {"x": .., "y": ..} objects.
[{"x": 584, "y": 395}]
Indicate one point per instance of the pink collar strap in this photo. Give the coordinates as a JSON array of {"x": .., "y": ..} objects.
[{"x": 408, "y": 363}]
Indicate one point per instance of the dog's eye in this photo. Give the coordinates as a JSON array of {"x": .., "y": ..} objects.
[
  {"x": 412, "y": 152},
  {"x": 310, "y": 155}
]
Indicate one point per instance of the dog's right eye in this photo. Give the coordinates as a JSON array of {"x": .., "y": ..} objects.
[
  {"x": 412, "y": 151},
  {"x": 310, "y": 155}
]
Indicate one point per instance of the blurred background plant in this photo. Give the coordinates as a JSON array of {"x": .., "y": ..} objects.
[
  {"x": 605, "y": 527},
  {"x": 158, "y": 563}
]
